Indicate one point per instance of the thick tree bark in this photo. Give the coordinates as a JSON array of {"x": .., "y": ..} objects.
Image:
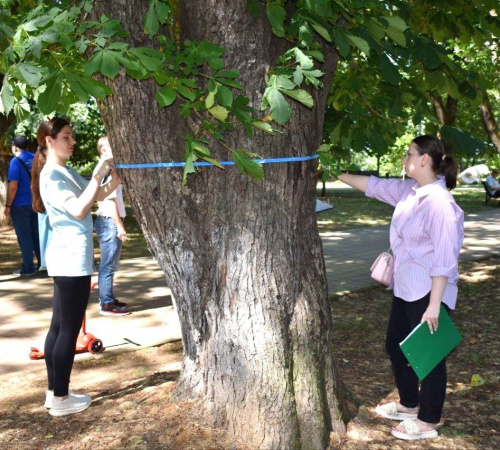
[
  {"x": 489, "y": 122},
  {"x": 243, "y": 258}
]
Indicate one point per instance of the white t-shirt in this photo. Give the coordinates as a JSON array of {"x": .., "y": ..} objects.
[
  {"x": 104, "y": 207},
  {"x": 70, "y": 248}
]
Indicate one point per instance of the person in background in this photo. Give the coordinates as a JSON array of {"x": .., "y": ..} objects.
[
  {"x": 18, "y": 206},
  {"x": 111, "y": 233},
  {"x": 67, "y": 199},
  {"x": 493, "y": 183},
  {"x": 426, "y": 233}
]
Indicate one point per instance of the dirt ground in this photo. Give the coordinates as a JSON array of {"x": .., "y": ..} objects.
[{"x": 133, "y": 408}]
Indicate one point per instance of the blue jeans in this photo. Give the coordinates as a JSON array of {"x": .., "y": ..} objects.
[
  {"x": 111, "y": 248},
  {"x": 25, "y": 223}
]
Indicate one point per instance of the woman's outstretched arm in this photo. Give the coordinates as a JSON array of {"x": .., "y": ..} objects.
[{"x": 359, "y": 182}]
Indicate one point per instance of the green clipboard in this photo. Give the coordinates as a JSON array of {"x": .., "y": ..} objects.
[{"x": 424, "y": 350}]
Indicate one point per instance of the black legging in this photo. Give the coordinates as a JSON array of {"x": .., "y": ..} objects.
[{"x": 71, "y": 295}]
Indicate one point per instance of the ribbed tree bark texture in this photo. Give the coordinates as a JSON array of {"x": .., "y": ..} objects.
[
  {"x": 5, "y": 157},
  {"x": 243, "y": 258}
]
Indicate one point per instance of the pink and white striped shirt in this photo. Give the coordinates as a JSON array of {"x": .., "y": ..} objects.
[{"x": 426, "y": 234}]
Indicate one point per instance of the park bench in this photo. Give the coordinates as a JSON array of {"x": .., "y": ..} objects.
[{"x": 488, "y": 194}]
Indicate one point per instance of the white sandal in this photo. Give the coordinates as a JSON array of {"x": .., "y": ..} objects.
[
  {"x": 412, "y": 432},
  {"x": 390, "y": 411}
]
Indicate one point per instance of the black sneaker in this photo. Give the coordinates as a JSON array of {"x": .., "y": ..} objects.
[
  {"x": 113, "y": 310},
  {"x": 121, "y": 304}
]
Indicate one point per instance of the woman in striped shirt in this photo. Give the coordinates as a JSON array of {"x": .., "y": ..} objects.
[{"x": 426, "y": 235}]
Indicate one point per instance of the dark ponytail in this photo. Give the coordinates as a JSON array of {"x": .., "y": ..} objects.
[
  {"x": 51, "y": 128},
  {"x": 38, "y": 163},
  {"x": 442, "y": 164}
]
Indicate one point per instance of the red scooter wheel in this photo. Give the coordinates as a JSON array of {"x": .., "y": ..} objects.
[{"x": 95, "y": 346}]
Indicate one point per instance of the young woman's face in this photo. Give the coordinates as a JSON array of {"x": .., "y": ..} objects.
[
  {"x": 63, "y": 144},
  {"x": 412, "y": 160}
]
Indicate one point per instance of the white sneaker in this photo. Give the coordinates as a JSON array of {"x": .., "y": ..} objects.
[
  {"x": 75, "y": 403},
  {"x": 49, "y": 397}
]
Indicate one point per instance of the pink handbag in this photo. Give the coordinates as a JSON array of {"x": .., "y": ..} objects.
[{"x": 383, "y": 268}]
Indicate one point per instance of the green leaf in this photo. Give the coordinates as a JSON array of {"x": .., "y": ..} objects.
[
  {"x": 298, "y": 77},
  {"x": 219, "y": 112},
  {"x": 323, "y": 148},
  {"x": 7, "y": 97},
  {"x": 462, "y": 141},
  {"x": 231, "y": 83},
  {"x": 208, "y": 50},
  {"x": 161, "y": 77},
  {"x": 224, "y": 96},
  {"x": 431, "y": 59},
  {"x": 84, "y": 86},
  {"x": 151, "y": 23},
  {"x": 360, "y": 43},
  {"x": 342, "y": 42},
  {"x": 396, "y": 23},
  {"x": 316, "y": 54},
  {"x": 375, "y": 29},
  {"x": 389, "y": 71},
  {"x": 105, "y": 62},
  {"x": 276, "y": 15},
  {"x": 186, "y": 92},
  {"x": 264, "y": 126},
  {"x": 151, "y": 59},
  {"x": 30, "y": 74},
  {"x": 246, "y": 166},
  {"x": 48, "y": 100},
  {"x": 117, "y": 46},
  {"x": 36, "y": 23},
  {"x": 230, "y": 74},
  {"x": 210, "y": 100},
  {"x": 321, "y": 30},
  {"x": 166, "y": 95},
  {"x": 282, "y": 82},
  {"x": 335, "y": 134},
  {"x": 253, "y": 8},
  {"x": 303, "y": 60},
  {"x": 215, "y": 63},
  {"x": 280, "y": 109},
  {"x": 397, "y": 36},
  {"x": 207, "y": 158},
  {"x": 301, "y": 96},
  {"x": 319, "y": 7},
  {"x": 189, "y": 167},
  {"x": 476, "y": 380},
  {"x": 162, "y": 11}
]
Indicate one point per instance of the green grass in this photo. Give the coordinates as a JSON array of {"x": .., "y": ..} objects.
[{"x": 352, "y": 209}]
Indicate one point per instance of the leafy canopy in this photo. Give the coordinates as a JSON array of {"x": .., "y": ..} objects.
[{"x": 392, "y": 54}]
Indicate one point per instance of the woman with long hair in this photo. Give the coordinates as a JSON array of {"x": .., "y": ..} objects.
[
  {"x": 67, "y": 199},
  {"x": 426, "y": 233}
]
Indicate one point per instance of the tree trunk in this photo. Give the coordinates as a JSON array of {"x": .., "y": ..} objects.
[
  {"x": 446, "y": 114},
  {"x": 5, "y": 157},
  {"x": 489, "y": 122},
  {"x": 243, "y": 258}
]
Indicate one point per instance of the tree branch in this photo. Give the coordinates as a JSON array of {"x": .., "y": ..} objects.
[{"x": 489, "y": 122}]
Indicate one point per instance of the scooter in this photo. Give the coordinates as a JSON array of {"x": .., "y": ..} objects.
[{"x": 86, "y": 342}]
